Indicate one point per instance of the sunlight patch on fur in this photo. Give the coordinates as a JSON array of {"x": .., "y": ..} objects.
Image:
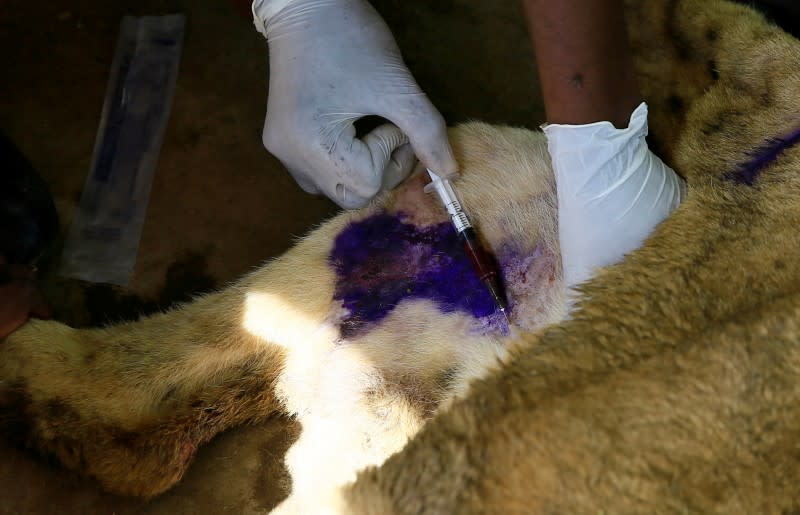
[{"x": 269, "y": 316}]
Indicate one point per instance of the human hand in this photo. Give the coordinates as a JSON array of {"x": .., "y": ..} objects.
[
  {"x": 612, "y": 192},
  {"x": 331, "y": 63},
  {"x": 19, "y": 297}
]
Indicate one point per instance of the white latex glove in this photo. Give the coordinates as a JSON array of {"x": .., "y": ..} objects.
[
  {"x": 612, "y": 192},
  {"x": 331, "y": 63}
]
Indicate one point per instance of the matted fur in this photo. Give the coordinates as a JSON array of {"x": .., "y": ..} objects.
[{"x": 673, "y": 389}]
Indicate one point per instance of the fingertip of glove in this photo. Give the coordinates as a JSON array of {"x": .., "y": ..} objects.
[
  {"x": 439, "y": 158},
  {"x": 346, "y": 199},
  {"x": 446, "y": 167},
  {"x": 305, "y": 184}
]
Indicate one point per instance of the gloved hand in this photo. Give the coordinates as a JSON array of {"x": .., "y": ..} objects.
[
  {"x": 331, "y": 63},
  {"x": 612, "y": 192}
]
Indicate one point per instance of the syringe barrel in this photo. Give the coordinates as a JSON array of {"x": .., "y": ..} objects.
[
  {"x": 484, "y": 265},
  {"x": 451, "y": 203}
]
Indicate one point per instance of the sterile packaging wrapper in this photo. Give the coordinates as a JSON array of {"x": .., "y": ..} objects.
[{"x": 104, "y": 236}]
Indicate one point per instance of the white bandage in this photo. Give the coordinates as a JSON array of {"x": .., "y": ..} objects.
[{"x": 612, "y": 192}]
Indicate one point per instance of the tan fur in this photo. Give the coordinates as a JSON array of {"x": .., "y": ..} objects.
[
  {"x": 130, "y": 404},
  {"x": 672, "y": 390},
  {"x": 675, "y": 387}
]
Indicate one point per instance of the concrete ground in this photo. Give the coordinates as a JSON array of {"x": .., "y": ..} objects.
[{"x": 220, "y": 203}]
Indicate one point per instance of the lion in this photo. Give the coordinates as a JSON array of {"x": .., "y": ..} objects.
[
  {"x": 670, "y": 387},
  {"x": 351, "y": 332}
]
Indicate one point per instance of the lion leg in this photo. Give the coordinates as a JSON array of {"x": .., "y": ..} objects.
[{"x": 130, "y": 404}]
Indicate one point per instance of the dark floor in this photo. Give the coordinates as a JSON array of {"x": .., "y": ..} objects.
[{"x": 220, "y": 204}]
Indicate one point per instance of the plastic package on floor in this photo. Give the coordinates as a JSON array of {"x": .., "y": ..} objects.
[{"x": 104, "y": 237}]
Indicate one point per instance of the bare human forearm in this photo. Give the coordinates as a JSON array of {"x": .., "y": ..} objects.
[{"x": 584, "y": 60}]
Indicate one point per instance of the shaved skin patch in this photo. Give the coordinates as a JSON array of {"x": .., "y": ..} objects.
[
  {"x": 383, "y": 260},
  {"x": 530, "y": 278},
  {"x": 417, "y": 207}
]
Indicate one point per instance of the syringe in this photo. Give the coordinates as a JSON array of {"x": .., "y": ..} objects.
[{"x": 487, "y": 273}]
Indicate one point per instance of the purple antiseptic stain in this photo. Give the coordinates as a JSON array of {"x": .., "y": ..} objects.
[
  {"x": 381, "y": 261},
  {"x": 762, "y": 157}
]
